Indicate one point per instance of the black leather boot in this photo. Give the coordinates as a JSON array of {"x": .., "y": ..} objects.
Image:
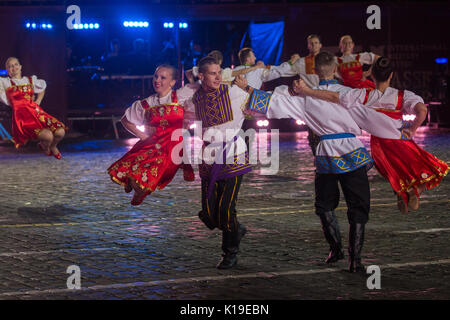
[
  {"x": 230, "y": 247},
  {"x": 355, "y": 244},
  {"x": 330, "y": 227}
]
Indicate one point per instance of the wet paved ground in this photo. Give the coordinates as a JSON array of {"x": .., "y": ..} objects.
[{"x": 54, "y": 214}]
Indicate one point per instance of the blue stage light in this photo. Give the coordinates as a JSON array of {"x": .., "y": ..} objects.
[
  {"x": 146, "y": 24},
  {"x": 91, "y": 26},
  {"x": 49, "y": 26},
  {"x": 441, "y": 60},
  {"x": 125, "y": 23},
  {"x": 28, "y": 25},
  {"x": 96, "y": 25},
  {"x": 33, "y": 25},
  {"x": 80, "y": 26},
  {"x": 86, "y": 26},
  {"x": 43, "y": 26}
]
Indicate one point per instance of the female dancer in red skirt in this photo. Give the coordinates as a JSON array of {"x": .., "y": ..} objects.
[
  {"x": 29, "y": 121},
  {"x": 350, "y": 65},
  {"x": 148, "y": 165},
  {"x": 408, "y": 168}
]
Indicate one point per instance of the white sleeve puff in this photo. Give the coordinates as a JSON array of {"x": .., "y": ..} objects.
[
  {"x": 367, "y": 57},
  {"x": 3, "y": 97},
  {"x": 39, "y": 85},
  {"x": 227, "y": 74},
  {"x": 187, "y": 92},
  {"x": 410, "y": 99},
  {"x": 135, "y": 114}
]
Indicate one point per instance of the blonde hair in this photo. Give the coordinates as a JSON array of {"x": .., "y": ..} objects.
[
  {"x": 346, "y": 36},
  {"x": 9, "y": 59}
]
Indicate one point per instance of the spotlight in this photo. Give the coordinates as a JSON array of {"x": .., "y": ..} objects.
[
  {"x": 170, "y": 25},
  {"x": 43, "y": 26},
  {"x": 96, "y": 25},
  {"x": 146, "y": 24},
  {"x": 262, "y": 123},
  {"x": 49, "y": 26},
  {"x": 409, "y": 117},
  {"x": 125, "y": 23},
  {"x": 33, "y": 25},
  {"x": 441, "y": 60},
  {"x": 86, "y": 26},
  {"x": 91, "y": 26},
  {"x": 75, "y": 25},
  {"x": 80, "y": 26},
  {"x": 28, "y": 25}
]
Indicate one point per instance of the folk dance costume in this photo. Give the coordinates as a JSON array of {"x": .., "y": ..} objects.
[
  {"x": 221, "y": 112},
  {"x": 28, "y": 119},
  {"x": 149, "y": 162},
  {"x": 351, "y": 71},
  {"x": 227, "y": 74},
  {"x": 257, "y": 77},
  {"x": 399, "y": 160},
  {"x": 305, "y": 68},
  {"x": 341, "y": 157}
]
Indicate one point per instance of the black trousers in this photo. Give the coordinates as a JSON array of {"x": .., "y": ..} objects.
[
  {"x": 219, "y": 211},
  {"x": 355, "y": 186}
]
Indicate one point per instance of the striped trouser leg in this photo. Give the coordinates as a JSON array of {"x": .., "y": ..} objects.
[{"x": 227, "y": 192}]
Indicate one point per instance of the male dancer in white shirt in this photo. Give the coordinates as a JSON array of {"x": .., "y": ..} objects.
[{"x": 341, "y": 157}]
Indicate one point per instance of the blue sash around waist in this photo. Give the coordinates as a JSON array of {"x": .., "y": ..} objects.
[{"x": 337, "y": 136}]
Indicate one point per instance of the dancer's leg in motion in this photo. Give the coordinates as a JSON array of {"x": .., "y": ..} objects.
[
  {"x": 57, "y": 137},
  {"x": 45, "y": 138}
]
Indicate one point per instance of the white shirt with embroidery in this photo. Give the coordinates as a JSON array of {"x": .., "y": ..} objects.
[
  {"x": 320, "y": 116},
  {"x": 299, "y": 68}
]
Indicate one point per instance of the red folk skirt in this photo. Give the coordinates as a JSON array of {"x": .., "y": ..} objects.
[{"x": 406, "y": 165}]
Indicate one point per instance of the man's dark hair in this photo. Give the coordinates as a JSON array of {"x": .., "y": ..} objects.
[
  {"x": 243, "y": 54},
  {"x": 205, "y": 62},
  {"x": 382, "y": 69},
  {"x": 324, "y": 63}
]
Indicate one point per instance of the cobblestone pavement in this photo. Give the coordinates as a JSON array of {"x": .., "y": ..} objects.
[{"x": 54, "y": 214}]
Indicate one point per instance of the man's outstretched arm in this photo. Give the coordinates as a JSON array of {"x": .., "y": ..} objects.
[{"x": 301, "y": 88}]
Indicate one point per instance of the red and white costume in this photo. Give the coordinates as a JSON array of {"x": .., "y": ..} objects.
[
  {"x": 149, "y": 162},
  {"x": 402, "y": 162},
  {"x": 351, "y": 72},
  {"x": 29, "y": 119}
]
